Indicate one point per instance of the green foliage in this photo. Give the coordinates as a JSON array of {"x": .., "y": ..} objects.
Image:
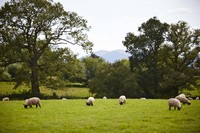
[
  {"x": 74, "y": 71},
  {"x": 91, "y": 65},
  {"x": 113, "y": 80},
  {"x": 105, "y": 116},
  {"x": 165, "y": 57},
  {"x": 179, "y": 56},
  {"x": 29, "y": 28},
  {"x": 145, "y": 53},
  {"x": 5, "y": 76},
  {"x": 73, "y": 90},
  {"x": 59, "y": 66}
]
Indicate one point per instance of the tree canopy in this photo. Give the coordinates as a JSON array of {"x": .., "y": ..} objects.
[
  {"x": 28, "y": 28},
  {"x": 162, "y": 55}
]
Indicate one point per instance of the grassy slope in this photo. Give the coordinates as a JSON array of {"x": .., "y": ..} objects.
[
  {"x": 105, "y": 116},
  {"x": 6, "y": 89}
]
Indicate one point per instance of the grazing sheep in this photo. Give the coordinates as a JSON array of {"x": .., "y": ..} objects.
[
  {"x": 122, "y": 100},
  {"x": 90, "y": 101},
  {"x": 64, "y": 98},
  {"x": 6, "y": 99},
  {"x": 182, "y": 95},
  {"x": 183, "y": 100},
  {"x": 173, "y": 102},
  {"x": 32, "y": 101},
  {"x": 143, "y": 98},
  {"x": 104, "y": 97},
  {"x": 197, "y": 98},
  {"x": 189, "y": 98}
]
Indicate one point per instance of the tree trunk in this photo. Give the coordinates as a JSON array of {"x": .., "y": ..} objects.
[{"x": 34, "y": 78}]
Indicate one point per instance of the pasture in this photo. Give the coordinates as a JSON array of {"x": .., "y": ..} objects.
[
  {"x": 106, "y": 115},
  {"x": 72, "y": 92}
]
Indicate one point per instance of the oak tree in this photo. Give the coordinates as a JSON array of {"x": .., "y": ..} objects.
[{"x": 27, "y": 28}]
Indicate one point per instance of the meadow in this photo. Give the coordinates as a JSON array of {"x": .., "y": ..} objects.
[
  {"x": 57, "y": 116},
  {"x": 68, "y": 92}
]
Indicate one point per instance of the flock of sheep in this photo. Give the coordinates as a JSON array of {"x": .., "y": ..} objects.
[
  {"x": 176, "y": 102},
  {"x": 172, "y": 102},
  {"x": 36, "y": 101}
]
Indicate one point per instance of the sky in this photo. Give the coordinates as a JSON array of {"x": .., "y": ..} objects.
[{"x": 111, "y": 20}]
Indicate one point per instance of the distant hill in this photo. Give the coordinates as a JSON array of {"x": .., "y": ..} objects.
[{"x": 112, "y": 56}]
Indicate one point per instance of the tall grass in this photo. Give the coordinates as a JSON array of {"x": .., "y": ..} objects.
[{"x": 106, "y": 115}]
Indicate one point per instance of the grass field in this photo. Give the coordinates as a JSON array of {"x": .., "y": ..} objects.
[
  {"x": 74, "y": 92},
  {"x": 57, "y": 116}
]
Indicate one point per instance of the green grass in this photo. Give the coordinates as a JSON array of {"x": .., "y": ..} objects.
[
  {"x": 57, "y": 116},
  {"x": 6, "y": 89}
]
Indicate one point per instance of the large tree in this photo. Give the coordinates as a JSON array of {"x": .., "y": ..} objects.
[
  {"x": 145, "y": 53},
  {"x": 27, "y": 28},
  {"x": 180, "y": 57},
  {"x": 164, "y": 56}
]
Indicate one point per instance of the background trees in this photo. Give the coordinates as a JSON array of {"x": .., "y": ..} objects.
[
  {"x": 145, "y": 53},
  {"x": 162, "y": 55},
  {"x": 28, "y": 28},
  {"x": 113, "y": 80},
  {"x": 179, "y": 57}
]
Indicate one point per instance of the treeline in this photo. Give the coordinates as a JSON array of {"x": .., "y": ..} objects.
[{"x": 164, "y": 57}]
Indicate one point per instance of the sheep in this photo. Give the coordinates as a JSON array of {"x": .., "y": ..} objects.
[
  {"x": 32, "y": 101},
  {"x": 173, "y": 102},
  {"x": 183, "y": 100},
  {"x": 189, "y": 98},
  {"x": 104, "y": 97},
  {"x": 122, "y": 100},
  {"x": 64, "y": 98},
  {"x": 182, "y": 95},
  {"x": 197, "y": 98},
  {"x": 6, "y": 99},
  {"x": 143, "y": 98},
  {"x": 90, "y": 101}
]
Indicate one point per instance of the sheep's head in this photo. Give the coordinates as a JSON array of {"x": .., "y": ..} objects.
[
  {"x": 179, "y": 108},
  {"x": 25, "y": 106},
  {"x": 87, "y": 104},
  {"x": 121, "y": 103},
  {"x": 188, "y": 103}
]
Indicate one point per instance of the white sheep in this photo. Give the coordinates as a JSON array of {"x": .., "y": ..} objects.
[
  {"x": 173, "y": 102},
  {"x": 189, "y": 98},
  {"x": 182, "y": 95},
  {"x": 143, "y": 98},
  {"x": 197, "y": 98},
  {"x": 104, "y": 97},
  {"x": 32, "y": 101},
  {"x": 64, "y": 98},
  {"x": 183, "y": 100},
  {"x": 122, "y": 100},
  {"x": 90, "y": 101},
  {"x": 6, "y": 99}
]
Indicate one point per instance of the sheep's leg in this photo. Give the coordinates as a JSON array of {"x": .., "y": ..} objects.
[
  {"x": 39, "y": 105},
  {"x": 92, "y": 104},
  {"x": 30, "y": 106},
  {"x": 36, "y": 105},
  {"x": 169, "y": 107}
]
